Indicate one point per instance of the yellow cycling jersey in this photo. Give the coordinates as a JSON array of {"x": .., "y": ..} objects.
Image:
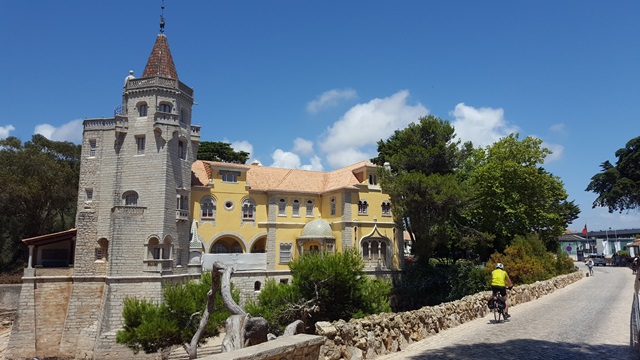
[{"x": 499, "y": 278}]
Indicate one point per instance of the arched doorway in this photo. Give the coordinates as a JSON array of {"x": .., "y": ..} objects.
[
  {"x": 260, "y": 245},
  {"x": 226, "y": 245}
]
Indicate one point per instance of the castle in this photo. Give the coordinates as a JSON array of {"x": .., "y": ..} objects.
[{"x": 150, "y": 214}]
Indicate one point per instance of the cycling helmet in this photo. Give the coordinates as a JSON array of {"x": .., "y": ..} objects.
[{"x": 500, "y": 266}]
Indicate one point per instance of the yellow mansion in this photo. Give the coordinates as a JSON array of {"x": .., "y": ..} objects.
[{"x": 259, "y": 218}]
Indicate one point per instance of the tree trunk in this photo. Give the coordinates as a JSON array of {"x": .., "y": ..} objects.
[
  {"x": 241, "y": 329},
  {"x": 192, "y": 348}
]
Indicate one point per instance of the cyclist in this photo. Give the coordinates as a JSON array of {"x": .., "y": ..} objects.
[{"x": 499, "y": 282}]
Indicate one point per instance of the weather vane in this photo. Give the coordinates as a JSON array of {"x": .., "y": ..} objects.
[{"x": 162, "y": 18}]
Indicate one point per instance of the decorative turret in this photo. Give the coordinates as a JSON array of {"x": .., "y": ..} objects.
[{"x": 160, "y": 62}]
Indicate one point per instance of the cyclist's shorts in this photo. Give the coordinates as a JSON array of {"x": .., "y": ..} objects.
[{"x": 499, "y": 289}]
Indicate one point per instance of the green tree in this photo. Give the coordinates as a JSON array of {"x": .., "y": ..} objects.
[
  {"x": 152, "y": 327},
  {"x": 618, "y": 187},
  {"x": 513, "y": 195},
  {"x": 38, "y": 192},
  {"x": 221, "y": 151},
  {"x": 422, "y": 179}
]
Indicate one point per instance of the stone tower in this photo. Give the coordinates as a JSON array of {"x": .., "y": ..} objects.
[{"x": 132, "y": 221}]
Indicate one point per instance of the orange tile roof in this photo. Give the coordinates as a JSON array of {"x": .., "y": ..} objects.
[
  {"x": 266, "y": 178},
  {"x": 160, "y": 61}
]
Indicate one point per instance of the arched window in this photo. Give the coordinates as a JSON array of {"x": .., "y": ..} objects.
[
  {"x": 386, "y": 208},
  {"x": 248, "y": 209},
  {"x": 309, "y": 208},
  {"x": 363, "y": 207},
  {"x": 130, "y": 198},
  {"x": 153, "y": 249},
  {"x": 102, "y": 250},
  {"x": 374, "y": 250},
  {"x": 143, "y": 108},
  {"x": 207, "y": 208},
  {"x": 219, "y": 248},
  {"x": 182, "y": 150},
  {"x": 282, "y": 207},
  {"x": 295, "y": 208},
  {"x": 256, "y": 286},
  {"x": 164, "y": 107}
]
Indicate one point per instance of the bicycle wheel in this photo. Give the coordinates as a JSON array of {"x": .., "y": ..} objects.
[{"x": 496, "y": 314}]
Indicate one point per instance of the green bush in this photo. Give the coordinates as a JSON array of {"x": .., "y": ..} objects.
[
  {"x": 152, "y": 327},
  {"x": 273, "y": 304},
  {"x": 526, "y": 261},
  {"x": 335, "y": 282},
  {"x": 431, "y": 284}
]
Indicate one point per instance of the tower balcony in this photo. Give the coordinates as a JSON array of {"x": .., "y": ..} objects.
[
  {"x": 154, "y": 82},
  {"x": 182, "y": 215},
  {"x": 195, "y": 132}
]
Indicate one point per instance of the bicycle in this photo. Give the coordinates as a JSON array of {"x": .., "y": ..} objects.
[{"x": 497, "y": 307}]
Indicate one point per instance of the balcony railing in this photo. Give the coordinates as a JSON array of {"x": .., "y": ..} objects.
[
  {"x": 241, "y": 262},
  {"x": 182, "y": 215},
  {"x": 159, "y": 81},
  {"x": 158, "y": 265}
]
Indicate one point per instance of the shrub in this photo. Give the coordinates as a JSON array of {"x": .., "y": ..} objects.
[
  {"x": 338, "y": 282},
  {"x": 335, "y": 282},
  {"x": 526, "y": 261},
  {"x": 431, "y": 284},
  {"x": 153, "y": 327},
  {"x": 273, "y": 304}
]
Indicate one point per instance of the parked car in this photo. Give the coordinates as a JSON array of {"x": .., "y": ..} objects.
[{"x": 598, "y": 259}]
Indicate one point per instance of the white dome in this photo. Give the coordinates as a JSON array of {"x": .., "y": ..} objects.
[{"x": 317, "y": 228}]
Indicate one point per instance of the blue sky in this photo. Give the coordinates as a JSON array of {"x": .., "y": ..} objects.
[{"x": 314, "y": 84}]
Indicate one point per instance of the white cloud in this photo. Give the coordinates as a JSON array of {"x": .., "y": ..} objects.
[
  {"x": 364, "y": 124},
  {"x": 71, "y": 131},
  {"x": 5, "y": 130},
  {"x": 290, "y": 160},
  {"x": 303, "y": 146},
  {"x": 285, "y": 159},
  {"x": 482, "y": 126},
  {"x": 556, "y": 152},
  {"x": 558, "y": 128},
  {"x": 315, "y": 164},
  {"x": 330, "y": 98},
  {"x": 242, "y": 145},
  {"x": 343, "y": 157}
]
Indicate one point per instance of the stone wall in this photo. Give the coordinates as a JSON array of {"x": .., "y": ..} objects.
[
  {"x": 386, "y": 333},
  {"x": 296, "y": 347},
  {"x": 9, "y": 296}
]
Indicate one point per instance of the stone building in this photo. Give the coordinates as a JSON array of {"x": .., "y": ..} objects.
[
  {"x": 147, "y": 210},
  {"x": 132, "y": 226}
]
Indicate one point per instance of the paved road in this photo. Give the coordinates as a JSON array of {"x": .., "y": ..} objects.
[{"x": 586, "y": 320}]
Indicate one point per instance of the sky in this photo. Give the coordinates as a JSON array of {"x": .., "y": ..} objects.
[{"x": 315, "y": 84}]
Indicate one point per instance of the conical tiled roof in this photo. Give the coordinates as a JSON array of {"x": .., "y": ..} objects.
[{"x": 160, "y": 62}]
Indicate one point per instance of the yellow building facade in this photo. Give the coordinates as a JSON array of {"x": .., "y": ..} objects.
[{"x": 259, "y": 218}]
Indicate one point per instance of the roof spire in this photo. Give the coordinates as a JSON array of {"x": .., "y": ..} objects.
[{"x": 162, "y": 18}]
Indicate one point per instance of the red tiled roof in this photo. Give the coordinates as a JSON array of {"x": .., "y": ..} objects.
[
  {"x": 266, "y": 178},
  {"x": 160, "y": 62}
]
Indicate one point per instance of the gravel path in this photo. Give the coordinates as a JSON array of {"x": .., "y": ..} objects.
[{"x": 586, "y": 320}]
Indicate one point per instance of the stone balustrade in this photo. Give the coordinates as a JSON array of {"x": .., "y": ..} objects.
[{"x": 380, "y": 334}]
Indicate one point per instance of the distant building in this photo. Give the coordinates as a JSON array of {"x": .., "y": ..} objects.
[{"x": 607, "y": 242}]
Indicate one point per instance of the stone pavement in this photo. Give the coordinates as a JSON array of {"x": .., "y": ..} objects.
[{"x": 586, "y": 320}]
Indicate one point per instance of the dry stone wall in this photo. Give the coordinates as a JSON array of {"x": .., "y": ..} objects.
[{"x": 386, "y": 333}]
